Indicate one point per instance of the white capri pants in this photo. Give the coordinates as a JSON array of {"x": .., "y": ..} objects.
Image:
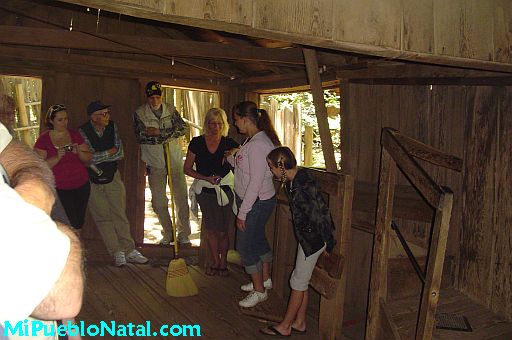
[{"x": 303, "y": 270}]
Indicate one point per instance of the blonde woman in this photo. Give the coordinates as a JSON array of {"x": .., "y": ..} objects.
[{"x": 213, "y": 185}]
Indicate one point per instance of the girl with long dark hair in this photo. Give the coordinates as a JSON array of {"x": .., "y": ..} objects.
[{"x": 255, "y": 197}]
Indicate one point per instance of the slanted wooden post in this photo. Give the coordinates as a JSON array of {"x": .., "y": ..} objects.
[{"x": 321, "y": 111}]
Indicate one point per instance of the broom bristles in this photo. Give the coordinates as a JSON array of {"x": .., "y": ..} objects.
[
  {"x": 179, "y": 282},
  {"x": 234, "y": 257}
]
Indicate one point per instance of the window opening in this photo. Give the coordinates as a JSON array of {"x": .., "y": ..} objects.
[
  {"x": 26, "y": 93},
  {"x": 293, "y": 112}
]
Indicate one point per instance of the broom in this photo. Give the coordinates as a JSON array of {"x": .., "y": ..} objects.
[{"x": 179, "y": 282}]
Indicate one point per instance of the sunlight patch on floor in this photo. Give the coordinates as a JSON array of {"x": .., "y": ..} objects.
[{"x": 153, "y": 229}]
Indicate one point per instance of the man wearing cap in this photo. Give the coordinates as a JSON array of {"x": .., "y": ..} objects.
[
  {"x": 157, "y": 123},
  {"x": 107, "y": 202}
]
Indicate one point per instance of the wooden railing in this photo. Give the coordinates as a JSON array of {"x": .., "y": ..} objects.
[{"x": 400, "y": 150}]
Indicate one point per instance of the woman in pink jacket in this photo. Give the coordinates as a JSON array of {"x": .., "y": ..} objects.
[{"x": 255, "y": 196}]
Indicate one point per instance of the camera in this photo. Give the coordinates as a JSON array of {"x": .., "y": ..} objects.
[{"x": 68, "y": 148}]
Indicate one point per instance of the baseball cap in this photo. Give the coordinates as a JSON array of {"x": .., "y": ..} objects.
[
  {"x": 96, "y": 106},
  {"x": 153, "y": 88}
]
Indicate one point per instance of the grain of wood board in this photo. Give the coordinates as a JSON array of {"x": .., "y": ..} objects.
[
  {"x": 485, "y": 324},
  {"x": 137, "y": 293}
]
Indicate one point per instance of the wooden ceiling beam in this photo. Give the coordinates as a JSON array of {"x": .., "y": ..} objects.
[
  {"x": 248, "y": 18},
  {"x": 299, "y": 75},
  {"x": 281, "y": 83},
  {"x": 110, "y": 63},
  {"x": 468, "y": 81},
  {"x": 382, "y": 69},
  {"x": 134, "y": 44},
  {"x": 214, "y": 36}
]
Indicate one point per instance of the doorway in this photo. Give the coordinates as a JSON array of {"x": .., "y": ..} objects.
[{"x": 192, "y": 105}]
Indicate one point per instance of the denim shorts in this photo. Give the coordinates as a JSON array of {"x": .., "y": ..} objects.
[{"x": 252, "y": 243}]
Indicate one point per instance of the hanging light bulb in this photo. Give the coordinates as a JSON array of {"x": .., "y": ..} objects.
[
  {"x": 71, "y": 24},
  {"x": 172, "y": 61}
]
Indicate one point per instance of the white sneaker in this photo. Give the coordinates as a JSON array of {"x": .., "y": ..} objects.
[
  {"x": 119, "y": 258},
  {"x": 249, "y": 287},
  {"x": 136, "y": 257},
  {"x": 253, "y": 299}
]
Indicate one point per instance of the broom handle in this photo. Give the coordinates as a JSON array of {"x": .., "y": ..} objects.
[{"x": 169, "y": 180}]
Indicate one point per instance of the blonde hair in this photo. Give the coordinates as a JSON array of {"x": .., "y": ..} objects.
[{"x": 216, "y": 113}]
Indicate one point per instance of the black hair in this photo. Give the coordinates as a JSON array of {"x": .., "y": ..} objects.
[
  {"x": 282, "y": 157},
  {"x": 259, "y": 117}
]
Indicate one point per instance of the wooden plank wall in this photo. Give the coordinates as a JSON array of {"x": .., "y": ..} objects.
[
  {"x": 471, "y": 122},
  {"x": 434, "y": 116},
  {"x": 486, "y": 240},
  {"x": 469, "y": 32},
  {"x": 76, "y": 91},
  {"x": 76, "y": 86}
]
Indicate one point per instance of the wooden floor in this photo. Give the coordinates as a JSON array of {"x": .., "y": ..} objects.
[
  {"x": 136, "y": 293},
  {"x": 484, "y": 323}
]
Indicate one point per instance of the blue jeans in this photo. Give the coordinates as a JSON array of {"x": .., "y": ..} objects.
[{"x": 252, "y": 243}]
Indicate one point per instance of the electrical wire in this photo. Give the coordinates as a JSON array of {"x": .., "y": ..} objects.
[{"x": 171, "y": 59}]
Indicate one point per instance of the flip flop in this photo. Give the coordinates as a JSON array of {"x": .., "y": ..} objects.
[
  {"x": 211, "y": 271},
  {"x": 272, "y": 331},
  {"x": 295, "y": 330},
  {"x": 223, "y": 272}
]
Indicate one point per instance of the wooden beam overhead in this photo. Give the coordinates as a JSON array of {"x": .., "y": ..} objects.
[
  {"x": 435, "y": 40},
  {"x": 59, "y": 38},
  {"x": 484, "y": 81},
  {"x": 133, "y": 66},
  {"x": 382, "y": 69},
  {"x": 287, "y": 86},
  {"x": 298, "y": 75}
]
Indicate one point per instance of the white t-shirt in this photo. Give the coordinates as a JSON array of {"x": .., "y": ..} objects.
[{"x": 33, "y": 252}]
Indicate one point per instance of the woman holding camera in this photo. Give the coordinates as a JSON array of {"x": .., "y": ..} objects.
[
  {"x": 213, "y": 185},
  {"x": 67, "y": 154}
]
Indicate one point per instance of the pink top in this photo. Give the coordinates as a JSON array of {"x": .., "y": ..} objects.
[
  {"x": 253, "y": 178},
  {"x": 69, "y": 172}
]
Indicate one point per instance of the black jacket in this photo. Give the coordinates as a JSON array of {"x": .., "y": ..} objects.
[{"x": 310, "y": 214}]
